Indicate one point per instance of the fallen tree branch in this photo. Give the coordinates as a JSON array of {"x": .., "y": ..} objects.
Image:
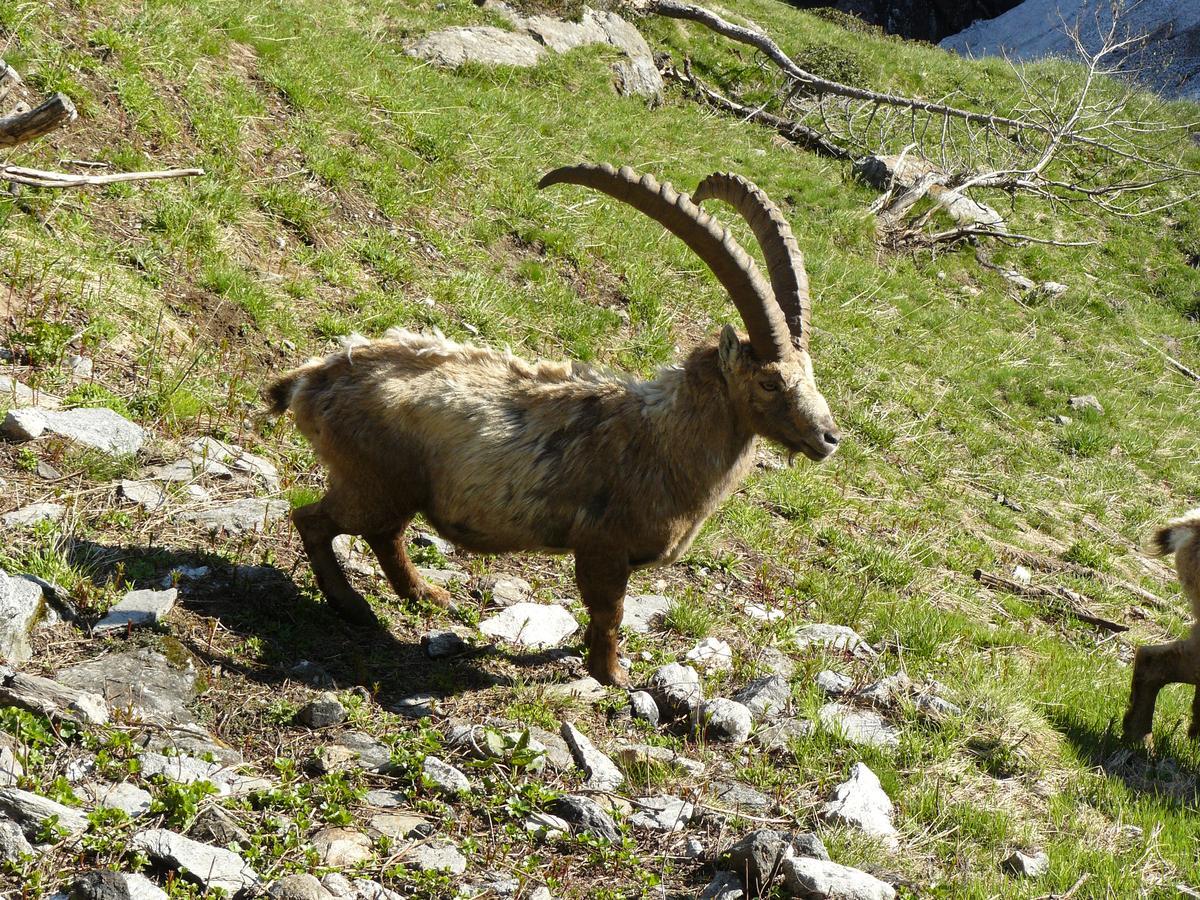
[
  {"x": 42, "y": 119},
  {"x": 1172, "y": 361},
  {"x": 958, "y": 234},
  {"x": 1044, "y": 563},
  {"x": 41, "y": 178},
  {"x": 1058, "y": 600}
]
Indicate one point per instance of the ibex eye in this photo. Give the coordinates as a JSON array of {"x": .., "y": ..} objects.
[{"x": 769, "y": 385}]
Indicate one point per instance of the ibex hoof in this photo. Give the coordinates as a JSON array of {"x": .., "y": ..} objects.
[
  {"x": 615, "y": 676},
  {"x": 431, "y": 593}
]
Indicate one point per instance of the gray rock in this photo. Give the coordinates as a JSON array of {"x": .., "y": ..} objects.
[
  {"x": 834, "y": 684},
  {"x": 737, "y": 798},
  {"x": 11, "y": 769},
  {"x": 215, "y": 825},
  {"x": 556, "y": 752},
  {"x": 444, "y": 777},
  {"x": 758, "y": 857},
  {"x": 30, "y": 810},
  {"x": 481, "y": 44},
  {"x": 99, "y": 428},
  {"x": 145, "y": 494},
  {"x": 661, "y": 813},
  {"x": 859, "y": 726},
  {"x": 766, "y": 698},
  {"x": 298, "y": 887},
  {"x": 779, "y": 736},
  {"x": 533, "y": 625},
  {"x": 887, "y": 691},
  {"x": 723, "y": 720},
  {"x": 33, "y": 514},
  {"x": 833, "y": 637},
  {"x": 1063, "y": 420},
  {"x": 545, "y": 826},
  {"x": 364, "y": 889},
  {"x": 676, "y": 690},
  {"x": 441, "y": 577},
  {"x": 211, "y": 867},
  {"x": 13, "y": 844},
  {"x": 586, "y": 689},
  {"x": 237, "y": 459},
  {"x": 903, "y": 171},
  {"x": 190, "y": 469},
  {"x": 712, "y": 654},
  {"x": 724, "y": 886},
  {"x": 311, "y": 673},
  {"x": 363, "y": 751},
  {"x": 776, "y": 662},
  {"x": 129, "y": 798},
  {"x": 323, "y": 711},
  {"x": 819, "y": 879},
  {"x": 861, "y": 802},
  {"x": 338, "y": 885},
  {"x": 1054, "y": 288},
  {"x": 399, "y": 825},
  {"x": 137, "y": 609},
  {"x": 340, "y": 847},
  {"x": 418, "y": 706},
  {"x": 694, "y": 848},
  {"x": 643, "y": 707},
  {"x": 142, "y": 683},
  {"x": 102, "y": 884},
  {"x": 644, "y": 755},
  {"x": 1086, "y": 401},
  {"x": 438, "y": 644},
  {"x": 80, "y": 366},
  {"x": 497, "y": 739},
  {"x": 21, "y": 395},
  {"x": 935, "y": 706},
  {"x": 642, "y": 611},
  {"x": 22, "y": 606},
  {"x": 638, "y": 77},
  {"x": 603, "y": 775},
  {"x": 504, "y": 590},
  {"x": 382, "y": 799},
  {"x": 443, "y": 857},
  {"x": 239, "y": 517},
  {"x": 587, "y": 816},
  {"x": 441, "y": 545},
  {"x": 1026, "y": 865},
  {"x": 620, "y": 33}
]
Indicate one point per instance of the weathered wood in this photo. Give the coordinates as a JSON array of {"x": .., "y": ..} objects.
[
  {"x": 42, "y": 178},
  {"x": 1058, "y": 600},
  {"x": 51, "y": 699},
  {"x": 9, "y": 79},
  {"x": 42, "y": 119},
  {"x": 1044, "y": 563}
]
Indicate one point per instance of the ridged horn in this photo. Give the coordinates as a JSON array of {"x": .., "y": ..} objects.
[
  {"x": 733, "y": 267},
  {"x": 785, "y": 262}
]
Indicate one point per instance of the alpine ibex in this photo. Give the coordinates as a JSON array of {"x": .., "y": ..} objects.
[
  {"x": 501, "y": 455},
  {"x": 1158, "y": 665}
]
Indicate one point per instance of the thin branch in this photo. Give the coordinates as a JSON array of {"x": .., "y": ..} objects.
[
  {"x": 41, "y": 178},
  {"x": 958, "y": 234},
  {"x": 46, "y": 117},
  {"x": 1172, "y": 361}
]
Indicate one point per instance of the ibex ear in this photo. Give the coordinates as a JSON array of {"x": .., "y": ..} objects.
[{"x": 730, "y": 348}]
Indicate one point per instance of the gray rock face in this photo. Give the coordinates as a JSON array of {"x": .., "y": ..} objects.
[
  {"x": 505, "y": 590},
  {"x": 444, "y": 777},
  {"x": 20, "y": 395},
  {"x": 781, "y": 735},
  {"x": 137, "y": 609},
  {"x": 724, "y": 720},
  {"x": 237, "y": 459},
  {"x": 642, "y": 611},
  {"x": 101, "y": 429},
  {"x": 724, "y": 886},
  {"x": 30, "y": 810},
  {"x": 360, "y": 750},
  {"x": 239, "y": 517},
  {"x": 759, "y": 856},
  {"x": 482, "y": 44},
  {"x": 129, "y": 798},
  {"x": 13, "y": 844},
  {"x": 399, "y": 825},
  {"x": 443, "y": 857},
  {"x": 676, "y": 690},
  {"x": 298, "y": 887},
  {"x": 533, "y": 625},
  {"x": 339, "y": 847},
  {"x": 766, "y": 698},
  {"x": 102, "y": 884},
  {"x": 644, "y": 755},
  {"x": 323, "y": 711},
  {"x": 662, "y": 813},
  {"x": 187, "y": 769},
  {"x": 33, "y": 514},
  {"x": 861, "y": 802},
  {"x": 587, "y": 816},
  {"x": 638, "y": 76},
  {"x": 145, "y": 494},
  {"x": 834, "y": 684},
  {"x": 1026, "y": 865},
  {"x": 736, "y": 798},
  {"x": 439, "y": 644},
  {"x": 21, "y": 607},
  {"x": 821, "y": 879},
  {"x": 643, "y": 707},
  {"x": 859, "y": 726},
  {"x": 141, "y": 682},
  {"x": 211, "y": 867},
  {"x": 833, "y": 637},
  {"x": 603, "y": 775}
]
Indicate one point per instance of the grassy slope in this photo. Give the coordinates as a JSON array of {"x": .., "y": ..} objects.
[{"x": 352, "y": 188}]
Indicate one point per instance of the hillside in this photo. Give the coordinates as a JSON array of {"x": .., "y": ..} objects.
[{"x": 351, "y": 188}]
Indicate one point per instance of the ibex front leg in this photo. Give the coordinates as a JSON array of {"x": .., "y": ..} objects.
[{"x": 602, "y": 577}]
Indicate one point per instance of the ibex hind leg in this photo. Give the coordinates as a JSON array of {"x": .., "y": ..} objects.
[
  {"x": 317, "y": 530},
  {"x": 1154, "y": 667},
  {"x": 406, "y": 581},
  {"x": 602, "y": 578}
]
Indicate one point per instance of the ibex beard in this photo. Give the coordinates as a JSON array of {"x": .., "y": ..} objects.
[{"x": 502, "y": 455}]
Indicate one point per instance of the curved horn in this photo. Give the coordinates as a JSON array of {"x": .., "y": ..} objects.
[
  {"x": 734, "y": 268},
  {"x": 785, "y": 262}
]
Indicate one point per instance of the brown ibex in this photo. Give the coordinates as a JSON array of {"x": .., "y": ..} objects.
[
  {"x": 502, "y": 455},
  {"x": 1155, "y": 666}
]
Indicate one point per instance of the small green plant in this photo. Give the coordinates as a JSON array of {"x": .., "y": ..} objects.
[
  {"x": 179, "y": 804},
  {"x": 41, "y": 343},
  {"x": 689, "y": 617}
]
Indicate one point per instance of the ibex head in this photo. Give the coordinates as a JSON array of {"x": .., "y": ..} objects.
[{"x": 770, "y": 378}]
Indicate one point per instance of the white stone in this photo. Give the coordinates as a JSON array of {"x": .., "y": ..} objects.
[
  {"x": 533, "y": 625},
  {"x": 238, "y": 459},
  {"x": 762, "y": 614},
  {"x": 587, "y": 689},
  {"x": 13, "y": 844},
  {"x": 823, "y": 880},
  {"x": 339, "y": 847},
  {"x": 724, "y": 886},
  {"x": 445, "y": 777},
  {"x": 642, "y": 610},
  {"x": 713, "y": 654},
  {"x": 23, "y": 424},
  {"x": 188, "y": 769},
  {"x": 137, "y": 609},
  {"x": 443, "y": 857},
  {"x": 483, "y": 44},
  {"x": 145, "y": 494},
  {"x": 546, "y": 827},
  {"x": 644, "y": 754},
  {"x": 129, "y": 798},
  {"x": 239, "y": 517},
  {"x": 662, "y": 813},
  {"x": 1027, "y": 865},
  {"x": 676, "y": 689},
  {"x": 22, "y": 604},
  {"x": 833, "y": 683},
  {"x": 23, "y": 396},
  {"x": 859, "y": 726},
  {"x": 603, "y": 775},
  {"x": 214, "y": 867},
  {"x": 933, "y": 705},
  {"x": 30, "y": 810},
  {"x": 33, "y": 514},
  {"x": 861, "y": 802},
  {"x": 833, "y": 637},
  {"x": 99, "y": 428},
  {"x": 723, "y": 720},
  {"x": 1022, "y": 575},
  {"x": 766, "y": 698}
]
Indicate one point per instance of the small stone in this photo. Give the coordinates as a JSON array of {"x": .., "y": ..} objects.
[
  {"x": 887, "y": 691},
  {"x": 816, "y": 878},
  {"x": 444, "y": 777},
  {"x": 723, "y": 720},
  {"x": 31, "y": 811},
  {"x": 662, "y": 813},
  {"x": 22, "y": 395},
  {"x": 137, "y": 609},
  {"x": 533, "y": 625},
  {"x": 439, "y": 644},
  {"x": 541, "y": 892},
  {"x": 776, "y": 662},
  {"x": 23, "y": 425},
  {"x": 145, "y": 494},
  {"x": 694, "y": 848},
  {"x": 238, "y": 517},
  {"x": 1085, "y": 401},
  {"x": 859, "y": 726},
  {"x": 1026, "y": 865},
  {"x": 762, "y": 614},
  {"x": 1022, "y": 575},
  {"x": 440, "y": 544},
  {"x": 643, "y": 755},
  {"x": 505, "y": 590},
  {"x": 216, "y": 825},
  {"x": 188, "y": 769},
  {"x": 298, "y": 887},
  {"x": 324, "y": 711},
  {"x": 338, "y": 885},
  {"x": 339, "y": 847},
  {"x": 310, "y": 673},
  {"x": 603, "y": 775},
  {"x": 676, "y": 690},
  {"x": 546, "y": 827},
  {"x": 586, "y": 689},
  {"x": 22, "y": 606},
  {"x": 212, "y": 867},
  {"x": 758, "y": 857},
  {"x": 436, "y": 858},
  {"x": 33, "y": 514},
  {"x": 384, "y": 799},
  {"x": 129, "y": 798},
  {"x": 1054, "y": 288},
  {"x": 733, "y": 797},
  {"x": 1063, "y": 420},
  {"x": 643, "y": 707},
  {"x": 935, "y": 706},
  {"x": 236, "y": 458},
  {"x": 98, "y": 428},
  {"x": 834, "y": 684},
  {"x": 102, "y": 884},
  {"x": 861, "y": 802},
  {"x": 833, "y": 637},
  {"x": 713, "y": 654},
  {"x": 417, "y": 706},
  {"x": 642, "y": 611},
  {"x": 80, "y": 366},
  {"x": 398, "y": 825},
  {"x": 780, "y": 736},
  {"x": 587, "y": 816},
  {"x": 11, "y": 769},
  {"x": 724, "y": 886},
  {"x": 13, "y": 844},
  {"x": 766, "y": 698}
]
